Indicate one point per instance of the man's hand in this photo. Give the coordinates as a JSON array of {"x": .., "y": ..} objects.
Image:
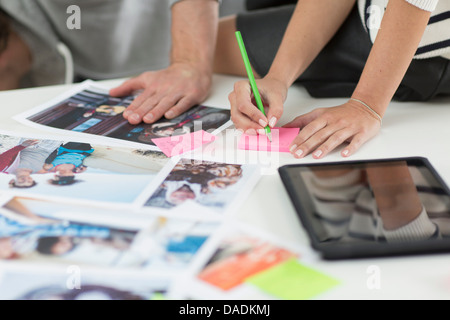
[
  {"x": 168, "y": 92},
  {"x": 187, "y": 81}
]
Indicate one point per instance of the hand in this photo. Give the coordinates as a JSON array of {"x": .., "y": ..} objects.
[
  {"x": 168, "y": 92},
  {"x": 324, "y": 129},
  {"x": 244, "y": 111},
  {"x": 46, "y": 167}
]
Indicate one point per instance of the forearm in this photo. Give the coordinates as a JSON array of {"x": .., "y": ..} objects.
[
  {"x": 194, "y": 32},
  {"x": 312, "y": 26},
  {"x": 398, "y": 38}
]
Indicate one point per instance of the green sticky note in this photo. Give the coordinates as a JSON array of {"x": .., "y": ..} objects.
[
  {"x": 157, "y": 296},
  {"x": 292, "y": 281}
]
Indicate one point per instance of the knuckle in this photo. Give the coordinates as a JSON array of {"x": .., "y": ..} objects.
[
  {"x": 241, "y": 107},
  {"x": 364, "y": 131},
  {"x": 321, "y": 136},
  {"x": 356, "y": 142},
  {"x": 326, "y": 147},
  {"x": 341, "y": 122},
  {"x": 337, "y": 138}
]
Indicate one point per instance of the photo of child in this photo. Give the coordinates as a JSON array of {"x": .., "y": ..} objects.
[{"x": 76, "y": 170}]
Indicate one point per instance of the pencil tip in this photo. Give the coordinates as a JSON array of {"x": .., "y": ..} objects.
[{"x": 269, "y": 136}]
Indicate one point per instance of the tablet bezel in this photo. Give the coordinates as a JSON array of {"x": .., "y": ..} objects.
[{"x": 336, "y": 250}]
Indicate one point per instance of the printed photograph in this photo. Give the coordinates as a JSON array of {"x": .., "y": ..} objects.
[
  {"x": 240, "y": 256},
  {"x": 38, "y": 239},
  {"x": 93, "y": 111},
  {"x": 209, "y": 184},
  {"x": 28, "y": 233},
  {"x": 82, "y": 171},
  {"x": 45, "y": 210},
  {"x": 172, "y": 244},
  {"x": 79, "y": 284}
]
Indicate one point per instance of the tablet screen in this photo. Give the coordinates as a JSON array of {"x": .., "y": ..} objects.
[{"x": 396, "y": 202}]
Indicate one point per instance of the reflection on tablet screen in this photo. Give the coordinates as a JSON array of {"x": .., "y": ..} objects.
[{"x": 388, "y": 202}]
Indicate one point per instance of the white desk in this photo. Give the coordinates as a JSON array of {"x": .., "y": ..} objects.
[{"x": 409, "y": 129}]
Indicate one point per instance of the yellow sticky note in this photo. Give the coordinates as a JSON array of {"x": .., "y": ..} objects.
[{"x": 293, "y": 281}]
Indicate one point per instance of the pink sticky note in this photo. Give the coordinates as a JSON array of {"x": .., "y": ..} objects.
[
  {"x": 281, "y": 139},
  {"x": 175, "y": 145}
]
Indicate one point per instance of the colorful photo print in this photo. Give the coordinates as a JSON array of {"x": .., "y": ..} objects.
[
  {"x": 159, "y": 244},
  {"x": 208, "y": 184},
  {"x": 172, "y": 244},
  {"x": 75, "y": 283},
  {"x": 39, "y": 210},
  {"x": 56, "y": 241},
  {"x": 75, "y": 170},
  {"x": 239, "y": 257},
  {"x": 93, "y": 111}
]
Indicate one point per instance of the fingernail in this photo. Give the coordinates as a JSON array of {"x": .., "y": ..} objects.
[
  {"x": 149, "y": 117},
  {"x": 299, "y": 153},
  {"x": 318, "y": 153},
  {"x": 273, "y": 122},
  {"x": 261, "y": 131},
  {"x": 126, "y": 113},
  {"x": 135, "y": 117},
  {"x": 239, "y": 131},
  {"x": 262, "y": 123},
  {"x": 169, "y": 114},
  {"x": 293, "y": 148},
  {"x": 251, "y": 132},
  {"x": 345, "y": 153}
]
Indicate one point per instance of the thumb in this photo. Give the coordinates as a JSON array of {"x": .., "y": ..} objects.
[
  {"x": 298, "y": 122},
  {"x": 303, "y": 120},
  {"x": 126, "y": 88}
]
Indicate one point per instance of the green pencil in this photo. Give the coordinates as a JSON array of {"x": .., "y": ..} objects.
[{"x": 252, "y": 80}]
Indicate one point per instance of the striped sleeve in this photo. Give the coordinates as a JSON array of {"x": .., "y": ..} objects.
[
  {"x": 436, "y": 39},
  {"x": 427, "y": 5}
]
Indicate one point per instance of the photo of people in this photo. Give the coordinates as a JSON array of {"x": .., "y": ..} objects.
[
  {"x": 45, "y": 210},
  {"x": 158, "y": 244},
  {"x": 209, "y": 184},
  {"x": 69, "y": 169},
  {"x": 39, "y": 210},
  {"x": 170, "y": 244},
  {"x": 37, "y": 239},
  {"x": 31, "y": 283},
  {"x": 92, "y": 110}
]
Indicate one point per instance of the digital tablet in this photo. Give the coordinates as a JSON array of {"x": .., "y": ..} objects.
[{"x": 371, "y": 208}]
